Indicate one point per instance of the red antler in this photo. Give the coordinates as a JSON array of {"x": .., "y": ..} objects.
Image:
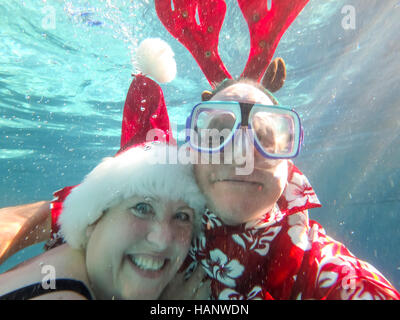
[
  {"x": 266, "y": 28},
  {"x": 201, "y": 39}
]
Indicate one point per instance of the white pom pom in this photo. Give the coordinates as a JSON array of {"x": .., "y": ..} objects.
[{"x": 155, "y": 58}]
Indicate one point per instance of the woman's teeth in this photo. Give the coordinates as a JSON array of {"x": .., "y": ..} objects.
[{"x": 147, "y": 263}]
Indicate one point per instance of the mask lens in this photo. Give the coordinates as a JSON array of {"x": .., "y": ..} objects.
[
  {"x": 212, "y": 127},
  {"x": 276, "y": 132}
]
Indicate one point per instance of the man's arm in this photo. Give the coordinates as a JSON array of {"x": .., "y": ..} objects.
[{"x": 22, "y": 226}]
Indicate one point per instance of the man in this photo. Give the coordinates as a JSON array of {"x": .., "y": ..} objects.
[{"x": 258, "y": 241}]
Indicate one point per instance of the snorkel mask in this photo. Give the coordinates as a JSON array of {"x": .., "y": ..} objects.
[{"x": 275, "y": 131}]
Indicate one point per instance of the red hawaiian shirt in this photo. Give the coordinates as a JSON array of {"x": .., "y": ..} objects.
[{"x": 283, "y": 255}]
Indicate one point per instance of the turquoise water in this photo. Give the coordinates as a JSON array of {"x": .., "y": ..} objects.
[{"x": 65, "y": 68}]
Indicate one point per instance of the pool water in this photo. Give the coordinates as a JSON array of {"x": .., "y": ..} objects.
[{"x": 65, "y": 68}]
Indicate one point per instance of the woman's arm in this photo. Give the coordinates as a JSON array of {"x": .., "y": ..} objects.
[
  {"x": 22, "y": 226},
  {"x": 59, "y": 273}
]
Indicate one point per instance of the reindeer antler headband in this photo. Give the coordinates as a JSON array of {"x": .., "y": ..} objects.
[{"x": 266, "y": 27}]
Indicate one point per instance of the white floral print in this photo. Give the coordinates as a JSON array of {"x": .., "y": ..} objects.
[
  {"x": 298, "y": 232},
  {"x": 210, "y": 220},
  {"x": 254, "y": 240},
  {"x": 298, "y": 191},
  {"x": 230, "y": 294},
  {"x": 222, "y": 269}
]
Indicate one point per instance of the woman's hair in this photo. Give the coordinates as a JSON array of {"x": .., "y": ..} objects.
[
  {"x": 207, "y": 95},
  {"x": 142, "y": 170}
]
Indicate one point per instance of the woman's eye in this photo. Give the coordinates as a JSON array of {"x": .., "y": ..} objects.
[
  {"x": 183, "y": 216},
  {"x": 142, "y": 209}
]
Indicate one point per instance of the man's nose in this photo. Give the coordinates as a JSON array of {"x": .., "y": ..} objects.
[
  {"x": 243, "y": 146},
  {"x": 160, "y": 235}
]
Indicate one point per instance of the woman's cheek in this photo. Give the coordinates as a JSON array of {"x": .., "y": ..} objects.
[
  {"x": 183, "y": 234},
  {"x": 137, "y": 227}
]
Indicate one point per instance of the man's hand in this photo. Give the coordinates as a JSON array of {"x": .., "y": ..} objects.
[{"x": 22, "y": 226}]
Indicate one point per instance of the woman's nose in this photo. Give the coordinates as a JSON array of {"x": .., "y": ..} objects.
[{"x": 160, "y": 235}]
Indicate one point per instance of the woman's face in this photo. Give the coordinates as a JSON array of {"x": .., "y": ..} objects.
[
  {"x": 236, "y": 198},
  {"x": 137, "y": 247}
]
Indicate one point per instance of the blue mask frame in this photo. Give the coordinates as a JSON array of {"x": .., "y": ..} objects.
[{"x": 243, "y": 112}]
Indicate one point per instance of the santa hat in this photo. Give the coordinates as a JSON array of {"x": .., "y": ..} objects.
[{"x": 139, "y": 168}]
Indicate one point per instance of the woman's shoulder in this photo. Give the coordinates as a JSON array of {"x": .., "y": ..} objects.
[{"x": 61, "y": 268}]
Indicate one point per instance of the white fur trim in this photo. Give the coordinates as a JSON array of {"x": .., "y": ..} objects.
[
  {"x": 133, "y": 172},
  {"x": 155, "y": 58}
]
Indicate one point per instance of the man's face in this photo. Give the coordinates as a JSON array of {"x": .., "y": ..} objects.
[{"x": 237, "y": 198}]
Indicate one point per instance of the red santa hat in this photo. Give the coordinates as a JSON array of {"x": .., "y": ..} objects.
[{"x": 140, "y": 167}]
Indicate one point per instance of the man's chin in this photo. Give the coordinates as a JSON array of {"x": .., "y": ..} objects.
[
  {"x": 233, "y": 215},
  {"x": 235, "y": 219}
]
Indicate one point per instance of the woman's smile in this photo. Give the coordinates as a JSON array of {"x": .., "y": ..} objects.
[{"x": 148, "y": 266}]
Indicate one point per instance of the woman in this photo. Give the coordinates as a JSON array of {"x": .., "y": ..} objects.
[{"x": 128, "y": 226}]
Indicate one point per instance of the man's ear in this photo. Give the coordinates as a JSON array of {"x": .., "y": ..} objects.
[
  {"x": 275, "y": 76},
  {"x": 206, "y": 95}
]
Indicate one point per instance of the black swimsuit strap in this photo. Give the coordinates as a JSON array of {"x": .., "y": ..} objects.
[{"x": 37, "y": 289}]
